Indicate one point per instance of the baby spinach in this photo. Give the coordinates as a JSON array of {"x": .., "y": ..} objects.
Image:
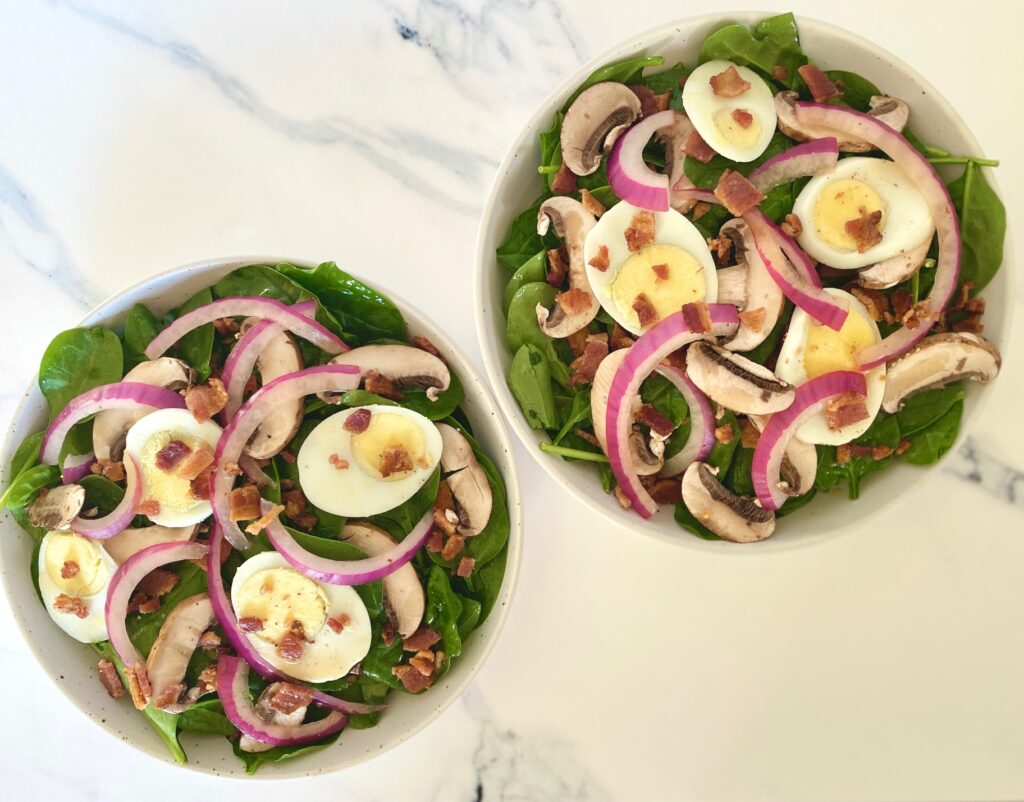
[
  {"x": 923, "y": 409},
  {"x": 400, "y": 520},
  {"x": 660, "y": 393},
  {"x": 687, "y": 521},
  {"x": 143, "y": 628},
  {"x": 101, "y": 493},
  {"x": 739, "y": 479},
  {"x": 929, "y": 444},
  {"x": 577, "y": 412},
  {"x": 624, "y": 71},
  {"x": 885, "y": 431},
  {"x": 444, "y": 608},
  {"x": 533, "y": 269},
  {"x": 485, "y": 583},
  {"x": 705, "y": 176},
  {"x": 140, "y": 327},
  {"x": 24, "y": 488},
  {"x": 551, "y": 151},
  {"x": 529, "y": 379},
  {"x": 982, "y": 225},
  {"x": 78, "y": 360},
  {"x": 196, "y": 347},
  {"x": 522, "y": 239},
  {"x": 722, "y": 453},
  {"x": 671, "y": 81},
  {"x": 253, "y": 760},
  {"x": 522, "y": 326},
  {"x": 775, "y": 41},
  {"x": 857, "y": 90},
  {"x": 206, "y": 717}
]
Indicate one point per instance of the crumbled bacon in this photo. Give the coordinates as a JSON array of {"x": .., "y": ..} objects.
[
  {"x": 864, "y": 229},
  {"x": 250, "y": 623},
  {"x": 743, "y": 118},
  {"x": 206, "y": 400},
  {"x": 110, "y": 679},
  {"x": 584, "y": 367},
  {"x": 792, "y": 225},
  {"x": 466, "y": 566},
  {"x": 141, "y": 603},
  {"x": 725, "y": 434},
  {"x": 903, "y": 446},
  {"x": 69, "y": 569},
  {"x": 736, "y": 193},
  {"x": 436, "y": 541},
  {"x": 288, "y": 457},
  {"x": 874, "y": 301},
  {"x": 158, "y": 582},
  {"x": 721, "y": 247},
  {"x": 564, "y": 181},
  {"x": 749, "y": 435},
  {"x": 394, "y": 460},
  {"x": 148, "y": 506},
  {"x": 412, "y": 680},
  {"x": 917, "y": 314},
  {"x": 264, "y": 520},
  {"x": 138, "y": 685},
  {"x": 640, "y": 231},
  {"x": 453, "y": 547},
  {"x": 696, "y": 148},
  {"x": 780, "y": 73},
  {"x": 821, "y": 85},
  {"x": 645, "y": 312},
  {"x": 114, "y": 471},
  {"x": 377, "y": 383},
  {"x": 290, "y": 648},
  {"x": 444, "y": 510},
  {"x": 168, "y": 457},
  {"x": 971, "y": 324},
  {"x": 729, "y": 83},
  {"x": 338, "y": 463},
  {"x": 196, "y": 463},
  {"x": 663, "y": 490},
  {"x": 422, "y": 638},
  {"x": 753, "y": 319},
  {"x": 423, "y": 661},
  {"x": 70, "y": 605},
  {"x": 244, "y": 503},
  {"x": 338, "y": 623},
  {"x": 847, "y": 451},
  {"x": 200, "y": 486},
  {"x": 620, "y": 338},
  {"x": 844, "y": 452},
  {"x": 226, "y": 325},
  {"x": 700, "y": 208},
  {"x": 574, "y": 300},
  {"x": 697, "y": 317},
  {"x": 296, "y": 507},
  {"x": 654, "y": 420},
  {"x": 209, "y": 641},
  {"x": 169, "y": 695},
  {"x": 577, "y": 342},
  {"x": 844, "y": 410},
  {"x": 650, "y": 103},
  {"x": 586, "y": 436},
  {"x": 558, "y": 268},
  {"x": 661, "y": 272},
  {"x": 358, "y": 421},
  {"x": 902, "y": 302},
  {"x": 425, "y": 345},
  {"x": 287, "y": 698},
  {"x": 600, "y": 260},
  {"x": 387, "y": 633},
  {"x": 591, "y": 204}
]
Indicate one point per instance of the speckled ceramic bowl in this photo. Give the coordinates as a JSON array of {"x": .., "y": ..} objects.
[
  {"x": 516, "y": 187},
  {"x": 72, "y": 665}
]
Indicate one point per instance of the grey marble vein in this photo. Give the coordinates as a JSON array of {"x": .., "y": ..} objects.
[{"x": 990, "y": 474}]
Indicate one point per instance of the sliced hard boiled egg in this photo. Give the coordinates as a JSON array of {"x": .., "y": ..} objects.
[
  {"x": 172, "y": 449},
  {"x": 310, "y": 630},
  {"x": 736, "y": 121},
  {"x": 812, "y": 349},
  {"x": 863, "y": 212},
  {"x": 368, "y": 460},
  {"x": 74, "y": 573},
  {"x": 673, "y": 268}
]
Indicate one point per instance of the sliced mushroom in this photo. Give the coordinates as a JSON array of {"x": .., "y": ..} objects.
[
  {"x": 937, "y": 361},
  {"x": 175, "y": 645},
  {"x": 57, "y": 507},
  {"x": 732, "y": 285},
  {"x": 110, "y": 426},
  {"x": 131, "y": 541},
  {"x": 403, "y": 592},
  {"x": 799, "y": 462},
  {"x": 761, "y": 291},
  {"x": 898, "y": 268},
  {"x": 280, "y": 356},
  {"x": 735, "y": 382},
  {"x": 467, "y": 481},
  {"x": 402, "y": 364},
  {"x": 739, "y": 519},
  {"x": 598, "y": 111},
  {"x": 271, "y": 716},
  {"x": 889, "y": 110},
  {"x": 674, "y": 137},
  {"x": 571, "y": 222},
  {"x": 648, "y": 455}
]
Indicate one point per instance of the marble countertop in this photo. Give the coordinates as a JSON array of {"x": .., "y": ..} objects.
[{"x": 884, "y": 665}]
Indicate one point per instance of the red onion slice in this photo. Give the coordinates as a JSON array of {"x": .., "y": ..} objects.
[
  {"x": 349, "y": 572},
  {"x": 811, "y": 396},
  {"x": 935, "y": 194},
  {"x": 120, "y": 518},
  {"x": 796, "y": 275},
  {"x": 121, "y": 395},
  {"x": 320, "y": 379},
  {"x": 266, "y": 308},
  {"x": 817, "y": 157},
  {"x": 688, "y": 193},
  {"x": 123, "y": 584},
  {"x": 628, "y": 174},
  {"x": 233, "y": 690},
  {"x": 76, "y": 467},
  {"x": 253, "y": 471},
  {"x": 668, "y": 335},
  {"x": 702, "y": 422}
]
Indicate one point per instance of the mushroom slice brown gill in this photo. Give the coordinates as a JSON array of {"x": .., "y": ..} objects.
[
  {"x": 593, "y": 121},
  {"x": 799, "y": 465},
  {"x": 571, "y": 222},
  {"x": 937, "y": 361},
  {"x": 133, "y": 540},
  {"x": 739, "y": 519},
  {"x": 466, "y": 479},
  {"x": 889, "y": 110},
  {"x": 735, "y": 382},
  {"x": 674, "y": 137},
  {"x": 57, "y": 507},
  {"x": 403, "y": 593},
  {"x": 648, "y": 456},
  {"x": 266, "y": 711},
  {"x": 110, "y": 427},
  {"x": 896, "y": 269},
  {"x": 280, "y": 356},
  {"x": 762, "y": 301},
  {"x": 173, "y": 649},
  {"x": 403, "y": 365}
]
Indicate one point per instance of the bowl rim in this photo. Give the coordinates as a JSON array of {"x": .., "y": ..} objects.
[
  {"x": 468, "y": 373},
  {"x": 490, "y": 347}
]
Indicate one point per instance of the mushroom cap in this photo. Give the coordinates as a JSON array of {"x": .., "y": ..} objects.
[
  {"x": 597, "y": 111},
  {"x": 739, "y": 519},
  {"x": 937, "y": 361},
  {"x": 57, "y": 507},
  {"x": 735, "y": 382},
  {"x": 760, "y": 290},
  {"x": 179, "y": 635},
  {"x": 467, "y": 481},
  {"x": 133, "y": 540},
  {"x": 647, "y": 459},
  {"x": 280, "y": 356},
  {"x": 732, "y": 285},
  {"x": 572, "y": 222},
  {"x": 894, "y": 270},
  {"x": 890, "y": 110},
  {"x": 404, "y": 365}
]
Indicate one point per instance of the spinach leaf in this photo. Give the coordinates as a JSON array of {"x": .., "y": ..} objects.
[
  {"x": 78, "y": 360},
  {"x": 533, "y": 269},
  {"x": 775, "y": 41},
  {"x": 143, "y": 628},
  {"x": 140, "y": 327},
  {"x": 522, "y": 239},
  {"x": 576, "y": 415},
  {"x": 522, "y": 326},
  {"x": 27, "y": 454},
  {"x": 624, "y": 71},
  {"x": 261, "y": 281},
  {"x": 885, "y": 431},
  {"x": 794, "y": 503},
  {"x": 982, "y": 226},
  {"x": 660, "y": 393},
  {"x": 101, "y": 493},
  {"x": 722, "y": 453},
  {"x": 761, "y": 353},
  {"x": 923, "y": 409},
  {"x": 857, "y": 90},
  {"x": 207, "y": 718},
  {"x": 485, "y": 583},
  {"x": 444, "y": 608},
  {"x": 253, "y": 760},
  {"x": 671, "y": 81},
  {"x": 196, "y": 347},
  {"x": 930, "y": 443},
  {"x": 529, "y": 379},
  {"x": 381, "y": 658},
  {"x": 26, "y": 485},
  {"x": 400, "y": 520},
  {"x": 739, "y": 479},
  {"x": 687, "y": 521},
  {"x": 551, "y": 151},
  {"x": 705, "y": 176}
]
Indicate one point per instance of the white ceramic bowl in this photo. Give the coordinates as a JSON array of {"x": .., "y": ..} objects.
[
  {"x": 72, "y": 665},
  {"x": 516, "y": 187}
]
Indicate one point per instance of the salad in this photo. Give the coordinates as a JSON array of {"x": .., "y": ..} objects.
[
  {"x": 265, "y": 511},
  {"x": 744, "y": 283}
]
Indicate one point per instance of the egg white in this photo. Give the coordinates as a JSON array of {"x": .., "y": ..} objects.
[{"x": 92, "y": 628}]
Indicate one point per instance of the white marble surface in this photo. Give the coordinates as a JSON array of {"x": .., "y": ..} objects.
[{"x": 881, "y": 666}]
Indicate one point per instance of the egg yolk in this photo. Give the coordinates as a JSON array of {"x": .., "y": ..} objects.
[
  {"x": 666, "y": 275},
  {"x": 391, "y": 448},
  {"x": 735, "y": 133},
  {"x": 173, "y": 492},
  {"x": 839, "y": 202},
  {"x": 279, "y": 597},
  {"x": 827, "y": 350},
  {"x": 86, "y": 576}
]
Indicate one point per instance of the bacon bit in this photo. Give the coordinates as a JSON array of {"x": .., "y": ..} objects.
[
  {"x": 821, "y": 85},
  {"x": 337, "y": 462},
  {"x": 244, "y": 503},
  {"x": 168, "y": 457},
  {"x": 697, "y": 317},
  {"x": 661, "y": 272},
  {"x": 700, "y": 208},
  {"x": 138, "y": 685},
  {"x": 844, "y": 410},
  {"x": 640, "y": 231},
  {"x": 290, "y": 648},
  {"x": 743, "y": 118},
  {"x": 902, "y": 447},
  {"x": 358, "y": 421},
  {"x": 466, "y": 566},
  {"x": 780, "y": 73},
  {"x": 577, "y": 342},
  {"x": 663, "y": 490},
  {"x": 725, "y": 434},
  {"x": 296, "y": 507},
  {"x": 412, "y": 680},
  {"x": 206, "y": 400},
  {"x": 109, "y": 679},
  {"x": 379, "y": 384},
  {"x": 792, "y": 225},
  {"x": 199, "y": 488},
  {"x": 963, "y": 297},
  {"x": 749, "y": 435},
  {"x": 620, "y": 338},
  {"x": 169, "y": 695},
  {"x": 917, "y": 314},
  {"x": 287, "y": 698},
  {"x": 721, "y": 247},
  {"x": 70, "y": 605},
  {"x": 645, "y": 312},
  {"x": 114, "y": 471},
  {"x": 425, "y": 345},
  {"x": 585, "y": 366},
  {"x": 736, "y": 193},
  {"x": 69, "y": 569},
  {"x": 209, "y": 641},
  {"x": 557, "y": 267},
  {"x": 141, "y": 603},
  {"x": 422, "y": 638},
  {"x": 654, "y": 420},
  {"x": 394, "y": 460},
  {"x": 453, "y": 547},
  {"x": 902, "y": 303},
  {"x": 423, "y": 661},
  {"x": 696, "y": 148},
  {"x": 195, "y": 464},
  {"x": 586, "y": 436},
  {"x": 874, "y": 301},
  {"x": 753, "y": 319},
  {"x": 564, "y": 182},
  {"x": 158, "y": 582},
  {"x": 436, "y": 541},
  {"x": 591, "y": 204},
  {"x": 650, "y": 103},
  {"x": 843, "y": 454},
  {"x": 864, "y": 229},
  {"x": 339, "y": 623},
  {"x": 621, "y": 497},
  {"x": 600, "y": 259},
  {"x": 880, "y": 452},
  {"x": 250, "y": 623},
  {"x": 573, "y": 301},
  {"x": 387, "y": 633},
  {"x": 226, "y": 325},
  {"x": 444, "y": 510},
  {"x": 848, "y": 451},
  {"x": 729, "y": 83},
  {"x": 971, "y": 324},
  {"x": 265, "y": 520}
]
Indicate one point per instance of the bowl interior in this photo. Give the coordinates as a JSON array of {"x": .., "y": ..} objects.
[
  {"x": 72, "y": 665},
  {"x": 517, "y": 186}
]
